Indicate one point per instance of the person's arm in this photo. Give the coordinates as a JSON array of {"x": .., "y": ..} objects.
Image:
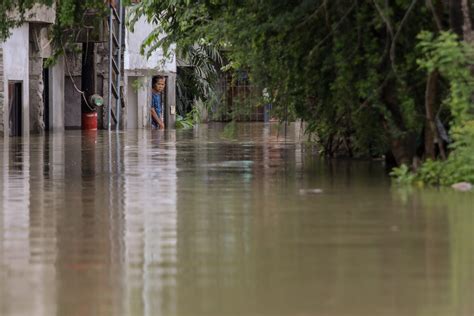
[{"x": 157, "y": 119}]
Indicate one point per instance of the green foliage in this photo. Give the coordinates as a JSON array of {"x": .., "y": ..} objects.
[
  {"x": 403, "y": 175},
  {"x": 189, "y": 120},
  {"x": 184, "y": 122},
  {"x": 453, "y": 59},
  {"x": 338, "y": 65},
  {"x": 74, "y": 19},
  {"x": 12, "y": 14},
  {"x": 138, "y": 84},
  {"x": 197, "y": 82},
  {"x": 459, "y": 167},
  {"x": 230, "y": 130}
]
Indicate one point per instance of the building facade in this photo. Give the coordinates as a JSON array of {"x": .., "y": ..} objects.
[
  {"x": 31, "y": 96},
  {"x": 139, "y": 72}
]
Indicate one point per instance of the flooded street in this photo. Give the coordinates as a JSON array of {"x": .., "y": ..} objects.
[{"x": 188, "y": 222}]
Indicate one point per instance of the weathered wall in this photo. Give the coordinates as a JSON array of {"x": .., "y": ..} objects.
[
  {"x": 56, "y": 95},
  {"x": 138, "y": 99},
  {"x": 144, "y": 101},
  {"x": 72, "y": 99},
  {"x": 171, "y": 100},
  {"x": 39, "y": 50},
  {"x": 36, "y": 84},
  {"x": 72, "y": 75},
  {"x": 16, "y": 66},
  {"x": 132, "y": 58},
  {"x": 39, "y": 13},
  {"x": 132, "y": 104}
]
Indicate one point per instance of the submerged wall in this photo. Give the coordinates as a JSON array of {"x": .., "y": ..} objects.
[
  {"x": 72, "y": 71},
  {"x": 39, "y": 51},
  {"x": 36, "y": 87},
  {"x": 16, "y": 68},
  {"x": 56, "y": 96}
]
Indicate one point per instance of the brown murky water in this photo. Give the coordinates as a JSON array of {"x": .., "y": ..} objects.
[{"x": 189, "y": 223}]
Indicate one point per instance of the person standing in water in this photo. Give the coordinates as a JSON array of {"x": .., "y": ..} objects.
[{"x": 158, "y": 86}]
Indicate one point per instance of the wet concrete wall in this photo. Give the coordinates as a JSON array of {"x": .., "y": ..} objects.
[
  {"x": 16, "y": 68},
  {"x": 39, "y": 50},
  {"x": 72, "y": 97},
  {"x": 171, "y": 100},
  {"x": 56, "y": 95},
  {"x": 40, "y": 13},
  {"x": 72, "y": 83},
  {"x": 133, "y": 60},
  {"x": 36, "y": 84},
  {"x": 138, "y": 101}
]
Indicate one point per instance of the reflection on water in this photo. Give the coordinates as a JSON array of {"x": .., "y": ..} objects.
[{"x": 190, "y": 223}]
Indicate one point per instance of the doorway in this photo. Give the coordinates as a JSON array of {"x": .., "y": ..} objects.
[
  {"x": 15, "y": 107},
  {"x": 164, "y": 101}
]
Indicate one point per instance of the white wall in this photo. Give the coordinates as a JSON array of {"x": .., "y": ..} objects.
[
  {"x": 132, "y": 58},
  {"x": 139, "y": 100},
  {"x": 56, "y": 96},
  {"x": 16, "y": 67},
  {"x": 132, "y": 104},
  {"x": 144, "y": 101}
]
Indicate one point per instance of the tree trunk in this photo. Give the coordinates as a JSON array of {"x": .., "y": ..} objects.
[
  {"x": 403, "y": 149},
  {"x": 430, "y": 107},
  {"x": 402, "y": 143},
  {"x": 88, "y": 76},
  {"x": 430, "y": 150},
  {"x": 468, "y": 32}
]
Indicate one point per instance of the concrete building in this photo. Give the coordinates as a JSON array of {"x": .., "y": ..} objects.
[
  {"x": 139, "y": 72},
  {"x": 137, "y": 75},
  {"x": 31, "y": 96},
  {"x": 73, "y": 85}
]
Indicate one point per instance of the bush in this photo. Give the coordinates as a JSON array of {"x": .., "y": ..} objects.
[
  {"x": 189, "y": 120},
  {"x": 454, "y": 61}
]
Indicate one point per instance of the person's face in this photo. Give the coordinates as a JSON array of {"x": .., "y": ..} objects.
[{"x": 160, "y": 85}]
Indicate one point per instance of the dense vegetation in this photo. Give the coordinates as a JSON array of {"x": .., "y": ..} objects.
[{"x": 370, "y": 78}]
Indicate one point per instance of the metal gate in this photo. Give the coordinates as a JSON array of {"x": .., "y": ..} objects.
[{"x": 238, "y": 99}]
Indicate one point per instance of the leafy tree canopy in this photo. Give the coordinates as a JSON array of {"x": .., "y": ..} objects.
[{"x": 347, "y": 67}]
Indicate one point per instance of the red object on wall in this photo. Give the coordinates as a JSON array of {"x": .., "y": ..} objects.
[{"x": 89, "y": 121}]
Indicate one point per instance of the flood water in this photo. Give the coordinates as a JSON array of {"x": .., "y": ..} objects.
[{"x": 191, "y": 223}]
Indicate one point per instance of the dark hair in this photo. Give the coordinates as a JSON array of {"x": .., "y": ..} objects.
[{"x": 155, "y": 80}]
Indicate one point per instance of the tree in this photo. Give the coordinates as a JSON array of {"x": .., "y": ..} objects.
[{"x": 347, "y": 67}]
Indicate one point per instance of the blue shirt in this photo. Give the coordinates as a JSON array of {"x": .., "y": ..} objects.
[{"x": 156, "y": 104}]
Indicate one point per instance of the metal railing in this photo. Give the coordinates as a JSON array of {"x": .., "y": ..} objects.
[{"x": 115, "y": 61}]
